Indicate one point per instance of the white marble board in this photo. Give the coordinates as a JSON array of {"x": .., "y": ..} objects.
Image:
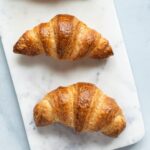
[{"x": 34, "y": 77}]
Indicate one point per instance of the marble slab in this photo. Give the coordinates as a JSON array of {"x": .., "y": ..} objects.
[{"x": 33, "y": 77}]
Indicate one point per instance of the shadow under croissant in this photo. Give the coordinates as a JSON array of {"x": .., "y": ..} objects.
[
  {"x": 74, "y": 139},
  {"x": 60, "y": 65},
  {"x": 51, "y": 1}
]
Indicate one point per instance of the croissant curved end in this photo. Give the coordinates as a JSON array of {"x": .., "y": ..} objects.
[
  {"x": 103, "y": 50},
  {"x": 116, "y": 127},
  {"x": 43, "y": 114},
  {"x": 26, "y": 46},
  {"x": 108, "y": 51}
]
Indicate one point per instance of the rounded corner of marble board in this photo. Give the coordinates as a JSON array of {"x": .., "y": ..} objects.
[{"x": 138, "y": 138}]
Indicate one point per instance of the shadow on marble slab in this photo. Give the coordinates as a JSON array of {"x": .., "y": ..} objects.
[
  {"x": 51, "y": 1},
  {"x": 73, "y": 138},
  {"x": 59, "y": 65}
]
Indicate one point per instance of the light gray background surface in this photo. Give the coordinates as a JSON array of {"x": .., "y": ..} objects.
[{"x": 134, "y": 19}]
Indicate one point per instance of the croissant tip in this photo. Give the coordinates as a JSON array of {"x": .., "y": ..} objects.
[
  {"x": 18, "y": 50},
  {"x": 109, "y": 50},
  {"x": 15, "y": 49},
  {"x": 21, "y": 48}
]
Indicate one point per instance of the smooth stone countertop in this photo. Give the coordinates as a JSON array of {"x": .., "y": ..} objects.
[{"x": 135, "y": 23}]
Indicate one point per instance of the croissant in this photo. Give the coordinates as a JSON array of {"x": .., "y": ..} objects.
[
  {"x": 81, "y": 106},
  {"x": 63, "y": 37}
]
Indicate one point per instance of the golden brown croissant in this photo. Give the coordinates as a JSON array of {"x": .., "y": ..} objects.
[
  {"x": 63, "y": 37},
  {"x": 81, "y": 106}
]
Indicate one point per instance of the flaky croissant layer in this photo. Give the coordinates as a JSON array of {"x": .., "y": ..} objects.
[
  {"x": 81, "y": 106},
  {"x": 63, "y": 37}
]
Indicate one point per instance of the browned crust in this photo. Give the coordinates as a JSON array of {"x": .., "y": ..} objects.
[
  {"x": 27, "y": 46},
  {"x": 63, "y": 37},
  {"x": 64, "y": 30},
  {"x": 82, "y": 106},
  {"x": 84, "y": 98},
  {"x": 43, "y": 114}
]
